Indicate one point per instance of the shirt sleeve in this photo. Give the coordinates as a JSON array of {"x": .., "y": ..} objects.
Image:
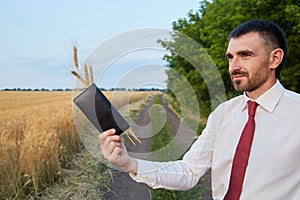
[{"x": 182, "y": 174}]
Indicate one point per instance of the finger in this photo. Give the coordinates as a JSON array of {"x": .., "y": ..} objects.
[
  {"x": 110, "y": 144},
  {"x": 110, "y": 148},
  {"x": 110, "y": 131},
  {"x": 107, "y": 133},
  {"x": 115, "y": 156},
  {"x": 103, "y": 136},
  {"x": 110, "y": 139}
]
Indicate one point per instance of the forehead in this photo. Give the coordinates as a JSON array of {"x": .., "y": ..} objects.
[{"x": 250, "y": 41}]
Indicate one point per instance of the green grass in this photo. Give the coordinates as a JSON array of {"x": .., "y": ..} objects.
[
  {"x": 158, "y": 141},
  {"x": 163, "y": 136},
  {"x": 133, "y": 113},
  {"x": 191, "y": 122}
]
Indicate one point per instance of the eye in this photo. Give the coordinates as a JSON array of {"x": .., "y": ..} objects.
[
  {"x": 245, "y": 55},
  {"x": 229, "y": 56}
]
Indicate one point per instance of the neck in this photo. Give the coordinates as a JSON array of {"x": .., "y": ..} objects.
[{"x": 261, "y": 90}]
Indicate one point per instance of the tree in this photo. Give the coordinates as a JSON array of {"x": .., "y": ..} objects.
[{"x": 210, "y": 26}]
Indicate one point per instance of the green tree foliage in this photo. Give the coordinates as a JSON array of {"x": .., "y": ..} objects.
[{"x": 210, "y": 26}]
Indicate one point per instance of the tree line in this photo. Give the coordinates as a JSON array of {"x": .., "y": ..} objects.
[
  {"x": 102, "y": 89},
  {"x": 36, "y": 89}
]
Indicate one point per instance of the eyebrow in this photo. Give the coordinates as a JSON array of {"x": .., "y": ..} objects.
[{"x": 240, "y": 53}]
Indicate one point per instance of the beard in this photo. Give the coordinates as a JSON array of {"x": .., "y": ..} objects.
[{"x": 250, "y": 82}]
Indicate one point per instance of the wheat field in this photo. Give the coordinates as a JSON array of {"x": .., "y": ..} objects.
[{"x": 38, "y": 137}]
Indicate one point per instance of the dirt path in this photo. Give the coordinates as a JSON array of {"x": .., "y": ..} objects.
[{"x": 122, "y": 187}]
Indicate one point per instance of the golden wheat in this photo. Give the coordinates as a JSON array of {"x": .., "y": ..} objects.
[
  {"x": 77, "y": 75},
  {"x": 32, "y": 125},
  {"x": 75, "y": 58},
  {"x": 91, "y": 74},
  {"x": 38, "y": 137},
  {"x": 86, "y": 73}
]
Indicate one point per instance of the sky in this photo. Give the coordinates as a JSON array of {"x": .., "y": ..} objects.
[{"x": 37, "y": 37}]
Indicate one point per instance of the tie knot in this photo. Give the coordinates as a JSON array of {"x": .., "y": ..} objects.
[{"x": 252, "y": 105}]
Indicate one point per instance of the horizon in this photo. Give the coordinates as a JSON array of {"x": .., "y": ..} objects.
[{"x": 74, "y": 89}]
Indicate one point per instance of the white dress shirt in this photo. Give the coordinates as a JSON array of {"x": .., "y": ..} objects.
[{"x": 273, "y": 170}]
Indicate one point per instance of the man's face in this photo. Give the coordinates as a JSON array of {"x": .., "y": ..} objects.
[{"x": 248, "y": 62}]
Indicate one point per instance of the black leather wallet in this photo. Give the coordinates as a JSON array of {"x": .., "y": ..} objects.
[{"x": 99, "y": 110}]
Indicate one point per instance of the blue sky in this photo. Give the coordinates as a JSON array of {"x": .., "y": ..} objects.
[{"x": 36, "y": 37}]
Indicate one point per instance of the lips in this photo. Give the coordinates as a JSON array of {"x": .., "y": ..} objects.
[{"x": 238, "y": 74}]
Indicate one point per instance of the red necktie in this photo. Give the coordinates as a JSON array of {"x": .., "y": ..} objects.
[{"x": 240, "y": 160}]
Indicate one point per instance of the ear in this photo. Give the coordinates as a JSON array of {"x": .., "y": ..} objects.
[{"x": 276, "y": 57}]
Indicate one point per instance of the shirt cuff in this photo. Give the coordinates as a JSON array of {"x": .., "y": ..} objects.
[{"x": 146, "y": 173}]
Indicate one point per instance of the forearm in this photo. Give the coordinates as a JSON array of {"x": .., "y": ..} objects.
[
  {"x": 169, "y": 175},
  {"x": 178, "y": 175}
]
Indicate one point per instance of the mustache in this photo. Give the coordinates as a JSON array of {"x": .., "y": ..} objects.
[{"x": 238, "y": 72}]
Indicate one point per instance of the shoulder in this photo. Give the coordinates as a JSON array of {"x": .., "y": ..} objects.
[
  {"x": 231, "y": 103},
  {"x": 291, "y": 99},
  {"x": 292, "y": 94},
  {"x": 226, "y": 108},
  {"x": 286, "y": 93}
]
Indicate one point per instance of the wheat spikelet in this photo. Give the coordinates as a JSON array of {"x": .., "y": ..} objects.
[
  {"x": 132, "y": 142},
  {"x": 133, "y": 135},
  {"x": 86, "y": 73},
  {"x": 87, "y": 77},
  {"x": 75, "y": 57},
  {"x": 91, "y": 74},
  {"x": 80, "y": 78}
]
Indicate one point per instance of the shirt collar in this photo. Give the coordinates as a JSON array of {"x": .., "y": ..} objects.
[{"x": 269, "y": 99}]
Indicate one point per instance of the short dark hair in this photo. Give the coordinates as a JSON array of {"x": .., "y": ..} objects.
[{"x": 270, "y": 32}]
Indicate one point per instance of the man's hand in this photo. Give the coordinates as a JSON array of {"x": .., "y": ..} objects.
[{"x": 114, "y": 150}]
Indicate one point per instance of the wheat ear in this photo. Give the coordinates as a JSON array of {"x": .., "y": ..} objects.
[
  {"x": 129, "y": 138},
  {"x": 133, "y": 135},
  {"x": 86, "y": 74},
  {"x": 91, "y": 74},
  {"x": 75, "y": 57},
  {"x": 79, "y": 78}
]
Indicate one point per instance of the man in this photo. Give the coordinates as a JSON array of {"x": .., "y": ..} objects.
[{"x": 256, "y": 52}]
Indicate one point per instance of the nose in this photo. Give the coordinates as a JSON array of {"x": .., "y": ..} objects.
[{"x": 234, "y": 64}]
